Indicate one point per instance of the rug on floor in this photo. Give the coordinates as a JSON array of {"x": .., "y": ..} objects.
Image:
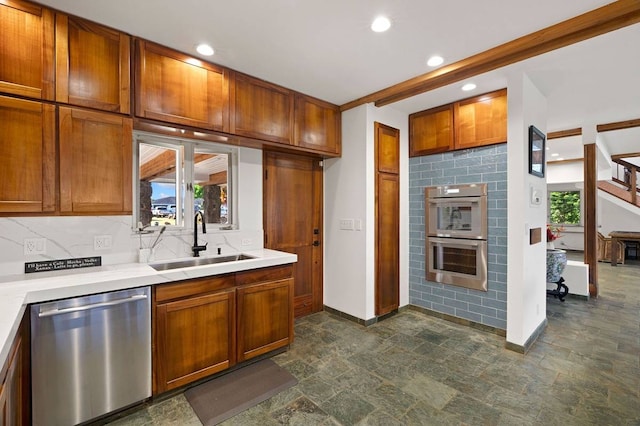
[{"x": 225, "y": 396}]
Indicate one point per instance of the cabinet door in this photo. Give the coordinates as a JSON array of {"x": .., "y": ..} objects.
[
  {"x": 431, "y": 131},
  {"x": 92, "y": 65},
  {"x": 27, "y": 156},
  {"x": 265, "y": 317},
  {"x": 95, "y": 162},
  {"x": 26, "y": 47},
  {"x": 11, "y": 391},
  {"x": 317, "y": 125},
  {"x": 481, "y": 120},
  {"x": 176, "y": 88},
  {"x": 261, "y": 110},
  {"x": 195, "y": 338}
]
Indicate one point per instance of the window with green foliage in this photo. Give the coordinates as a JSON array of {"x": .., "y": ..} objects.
[{"x": 564, "y": 207}]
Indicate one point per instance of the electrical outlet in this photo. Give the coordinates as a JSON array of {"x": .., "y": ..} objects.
[
  {"x": 35, "y": 246},
  {"x": 102, "y": 242},
  {"x": 346, "y": 224},
  {"x": 246, "y": 242}
]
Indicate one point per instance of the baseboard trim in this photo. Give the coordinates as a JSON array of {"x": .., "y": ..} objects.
[
  {"x": 523, "y": 349},
  {"x": 360, "y": 321},
  {"x": 461, "y": 321}
]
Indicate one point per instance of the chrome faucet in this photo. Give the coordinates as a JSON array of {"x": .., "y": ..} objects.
[{"x": 196, "y": 248}]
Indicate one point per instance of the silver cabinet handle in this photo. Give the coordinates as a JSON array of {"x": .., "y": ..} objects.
[{"x": 92, "y": 306}]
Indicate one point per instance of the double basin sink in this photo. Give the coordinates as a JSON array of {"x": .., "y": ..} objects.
[{"x": 198, "y": 261}]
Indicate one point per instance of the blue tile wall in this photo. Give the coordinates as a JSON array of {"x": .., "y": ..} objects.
[{"x": 479, "y": 165}]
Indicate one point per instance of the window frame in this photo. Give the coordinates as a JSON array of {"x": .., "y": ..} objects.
[
  {"x": 566, "y": 225},
  {"x": 185, "y": 181}
]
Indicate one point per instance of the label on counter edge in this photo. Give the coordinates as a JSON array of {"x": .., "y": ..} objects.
[{"x": 58, "y": 265}]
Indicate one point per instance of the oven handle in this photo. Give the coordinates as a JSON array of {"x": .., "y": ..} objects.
[
  {"x": 451, "y": 200},
  {"x": 456, "y": 242}
]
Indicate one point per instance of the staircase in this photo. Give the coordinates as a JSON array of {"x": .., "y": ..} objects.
[{"x": 625, "y": 189}]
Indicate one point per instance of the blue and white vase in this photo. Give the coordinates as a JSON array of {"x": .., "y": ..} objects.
[{"x": 556, "y": 262}]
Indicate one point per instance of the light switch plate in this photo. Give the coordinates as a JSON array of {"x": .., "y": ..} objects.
[{"x": 346, "y": 224}]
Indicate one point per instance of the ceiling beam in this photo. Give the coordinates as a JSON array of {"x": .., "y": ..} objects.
[
  {"x": 627, "y": 124},
  {"x": 611, "y": 17},
  {"x": 564, "y": 133},
  {"x": 165, "y": 163},
  {"x": 215, "y": 179}
]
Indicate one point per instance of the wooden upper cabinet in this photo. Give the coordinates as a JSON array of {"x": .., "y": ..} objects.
[
  {"x": 317, "y": 125},
  {"x": 95, "y": 162},
  {"x": 481, "y": 120},
  {"x": 176, "y": 88},
  {"x": 472, "y": 122},
  {"x": 261, "y": 110},
  {"x": 431, "y": 131},
  {"x": 388, "y": 149},
  {"x": 26, "y": 50},
  {"x": 27, "y": 156},
  {"x": 92, "y": 65}
]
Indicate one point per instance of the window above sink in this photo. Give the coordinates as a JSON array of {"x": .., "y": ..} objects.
[{"x": 177, "y": 178}]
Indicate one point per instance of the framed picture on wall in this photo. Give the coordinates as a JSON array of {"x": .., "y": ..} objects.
[{"x": 536, "y": 152}]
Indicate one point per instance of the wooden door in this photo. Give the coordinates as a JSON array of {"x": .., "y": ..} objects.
[
  {"x": 317, "y": 125},
  {"x": 265, "y": 317},
  {"x": 481, "y": 120},
  {"x": 171, "y": 87},
  {"x": 92, "y": 65},
  {"x": 95, "y": 162},
  {"x": 26, "y": 49},
  {"x": 431, "y": 131},
  {"x": 387, "y": 218},
  {"x": 293, "y": 222},
  {"x": 27, "y": 156},
  {"x": 261, "y": 110},
  {"x": 195, "y": 338}
]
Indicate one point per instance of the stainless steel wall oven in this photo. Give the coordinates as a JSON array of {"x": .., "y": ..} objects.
[{"x": 456, "y": 235}]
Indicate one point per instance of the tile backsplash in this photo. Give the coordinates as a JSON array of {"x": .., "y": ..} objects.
[{"x": 73, "y": 236}]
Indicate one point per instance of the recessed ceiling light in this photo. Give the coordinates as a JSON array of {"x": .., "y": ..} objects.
[
  {"x": 560, "y": 159},
  {"x": 380, "y": 24},
  {"x": 434, "y": 61},
  {"x": 555, "y": 154},
  {"x": 468, "y": 86},
  {"x": 204, "y": 49}
]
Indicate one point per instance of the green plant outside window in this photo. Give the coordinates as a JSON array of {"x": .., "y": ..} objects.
[{"x": 564, "y": 207}]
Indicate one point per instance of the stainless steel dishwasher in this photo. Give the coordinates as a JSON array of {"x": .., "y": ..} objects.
[{"x": 90, "y": 355}]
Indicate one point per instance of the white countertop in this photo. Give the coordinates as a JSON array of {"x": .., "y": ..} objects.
[{"x": 17, "y": 291}]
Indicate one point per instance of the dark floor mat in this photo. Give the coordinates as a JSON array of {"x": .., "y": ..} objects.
[{"x": 228, "y": 395}]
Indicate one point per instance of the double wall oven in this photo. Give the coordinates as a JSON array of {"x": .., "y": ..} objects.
[{"x": 456, "y": 235}]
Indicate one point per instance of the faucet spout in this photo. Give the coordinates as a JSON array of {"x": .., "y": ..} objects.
[{"x": 196, "y": 248}]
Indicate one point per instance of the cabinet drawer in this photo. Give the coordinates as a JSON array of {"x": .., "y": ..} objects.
[
  {"x": 193, "y": 287},
  {"x": 264, "y": 274}
]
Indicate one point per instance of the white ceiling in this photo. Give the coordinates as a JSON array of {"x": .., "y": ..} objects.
[{"x": 326, "y": 49}]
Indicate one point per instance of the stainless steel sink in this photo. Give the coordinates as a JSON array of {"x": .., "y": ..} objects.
[{"x": 198, "y": 261}]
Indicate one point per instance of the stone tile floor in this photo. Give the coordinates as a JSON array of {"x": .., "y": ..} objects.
[{"x": 413, "y": 369}]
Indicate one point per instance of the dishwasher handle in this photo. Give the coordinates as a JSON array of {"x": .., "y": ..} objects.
[{"x": 92, "y": 306}]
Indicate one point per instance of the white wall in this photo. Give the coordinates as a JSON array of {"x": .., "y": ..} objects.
[
  {"x": 616, "y": 215},
  {"x": 72, "y": 236},
  {"x": 345, "y": 193},
  {"x": 350, "y": 194},
  {"x": 526, "y": 270}
]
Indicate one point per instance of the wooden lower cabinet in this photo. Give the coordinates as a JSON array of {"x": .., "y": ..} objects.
[
  {"x": 205, "y": 325},
  {"x": 14, "y": 385},
  {"x": 195, "y": 338},
  {"x": 265, "y": 317}
]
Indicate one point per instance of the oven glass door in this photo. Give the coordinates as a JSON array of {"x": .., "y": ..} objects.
[
  {"x": 458, "y": 262},
  {"x": 463, "y": 217}
]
